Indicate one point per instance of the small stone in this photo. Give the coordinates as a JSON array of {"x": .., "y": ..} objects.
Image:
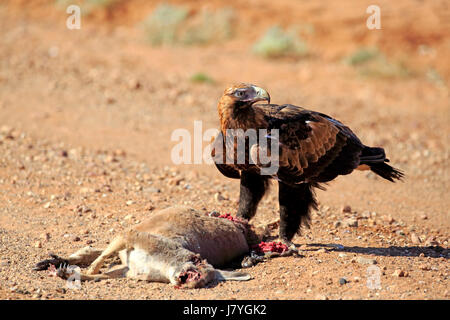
[
  {"x": 342, "y": 281},
  {"x": 425, "y": 267},
  {"x": 346, "y": 209},
  {"x": 75, "y": 239},
  {"x": 431, "y": 242},
  {"x": 46, "y": 236},
  {"x": 351, "y": 222},
  {"x": 423, "y": 217},
  {"x": 129, "y": 202},
  {"x": 388, "y": 219},
  {"x": 363, "y": 260},
  {"x": 109, "y": 99},
  {"x": 85, "y": 190},
  {"x": 134, "y": 84},
  {"x": 366, "y": 214},
  {"x": 38, "y": 244},
  {"x": 400, "y": 273},
  {"x": 152, "y": 190},
  {"x": 218, "y": 197},
  {"x": 47, "y": 205},
  {"x": 128, "y": 217},
  {"x": 415, "y": 239},
  {"x": 337, "y": 224}
]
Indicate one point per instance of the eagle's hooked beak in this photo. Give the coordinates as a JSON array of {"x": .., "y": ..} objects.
[{"x": 261, "y": 94}]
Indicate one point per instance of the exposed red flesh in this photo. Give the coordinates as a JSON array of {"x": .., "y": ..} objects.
[{"x": 273, "y": 246}]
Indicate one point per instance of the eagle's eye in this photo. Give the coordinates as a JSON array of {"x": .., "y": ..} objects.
[{"x": 239, "y": 94}]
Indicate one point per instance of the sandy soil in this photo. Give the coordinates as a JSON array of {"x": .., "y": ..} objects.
[{"x": 86, "y": 118}]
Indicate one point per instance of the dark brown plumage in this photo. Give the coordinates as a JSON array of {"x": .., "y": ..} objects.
[{"x": 313, "y": 148}]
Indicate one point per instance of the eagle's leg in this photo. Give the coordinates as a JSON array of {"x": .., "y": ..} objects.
[
  {"x": 295, "y": 205},
  {"x": 253, "y": 188}
]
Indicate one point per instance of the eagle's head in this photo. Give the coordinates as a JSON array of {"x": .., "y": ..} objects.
[{"x": 243, "y": 95}]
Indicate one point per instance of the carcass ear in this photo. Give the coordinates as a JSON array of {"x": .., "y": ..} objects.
[{"x": 223, "y": 275}]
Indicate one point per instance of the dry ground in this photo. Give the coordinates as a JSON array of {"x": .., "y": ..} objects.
[{"x": 85, "y": 151}]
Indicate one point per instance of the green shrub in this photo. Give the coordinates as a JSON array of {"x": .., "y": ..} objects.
[
  {"x": 277, "y": 43},
  {"x": 362, "y": 56},
  {"x": 209, "y": 26},
  {"x": 169, "y": 24},
  {"x": 162, "y": 25},
  {"x": 372, "y": 63},
  {"x": 201, "y": 77}
]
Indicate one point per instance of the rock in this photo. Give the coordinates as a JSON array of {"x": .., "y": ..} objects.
[
  {"x": 400, "y": 273},
  {"x": 337, "y": 224},
  {"x": 415, "y": 239},
  {"x": 342, "y": 281},
  {"x": 218, "y": 197},
  {"x": 129, "y": 202},
  {"x": 75, "y": 239},
  {"x": 366, "y": 214},
  {"x": 47, "y": 205},
  {"x": 388, "y": 219},
  {"x": 83, "y": 209},
  {"x": 423, "y": 217},
  {"x": 363, "y": 260},
  {"x": 431, "y": 242},
  {"x": 152, "y": 190},
  {"x": 46, "y": 236},
  {"x": 425, "y": 267},
  {"x": 134, "y": 84},
  {"x": 85, "y": 190},
  {"x": 346, "y": 209},
  {"x": 321, "y": 297},
  {"x": 351, "y": 222},
  {"x": 38, "y": 244}
]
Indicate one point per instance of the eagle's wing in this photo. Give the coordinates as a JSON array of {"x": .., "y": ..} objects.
[
  {"x": 312, "y": 146},
  {"x": 219, "y": 156}
]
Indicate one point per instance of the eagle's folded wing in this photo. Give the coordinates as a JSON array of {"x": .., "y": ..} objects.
[
  {"x": 310, "y": 146},
  {"x": 219, "y": 156}
]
